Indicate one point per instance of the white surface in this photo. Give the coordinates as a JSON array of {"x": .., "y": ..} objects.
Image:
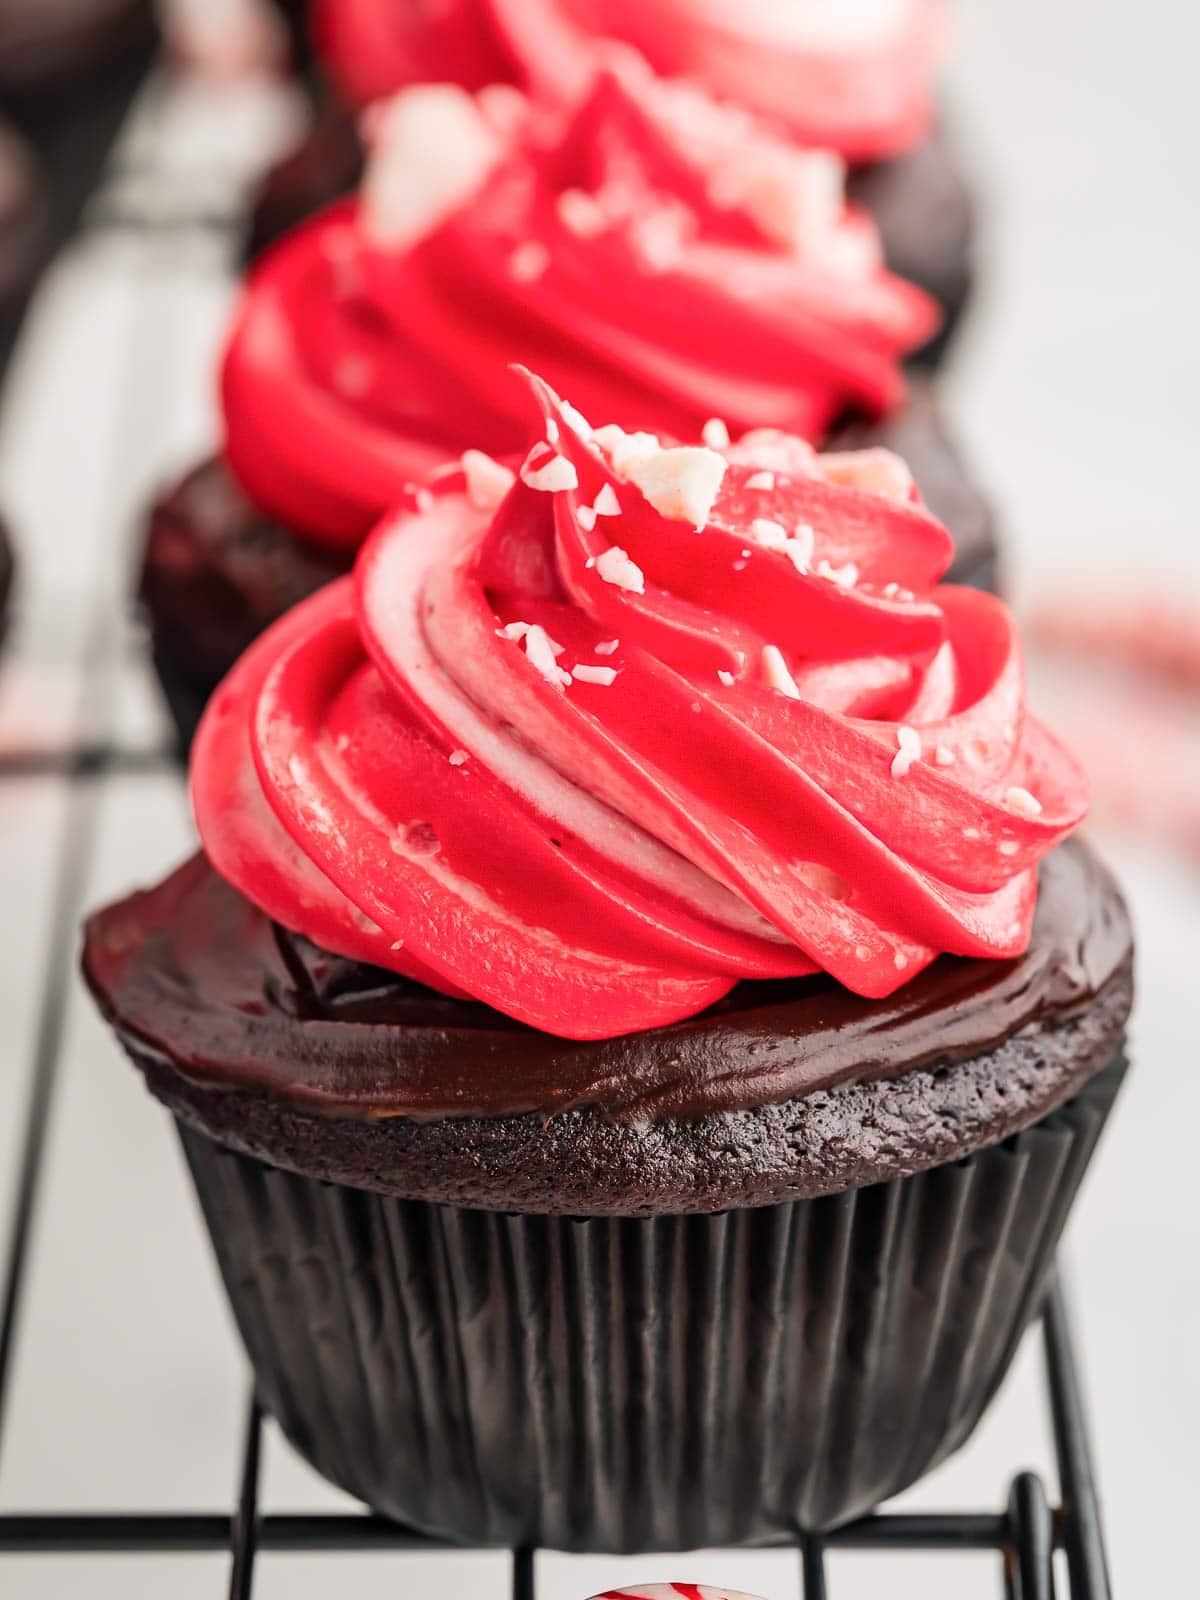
[{"x": 1077, "y": 390}]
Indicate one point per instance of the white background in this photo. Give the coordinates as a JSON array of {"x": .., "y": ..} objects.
[{"x": 1076, "y": 389}]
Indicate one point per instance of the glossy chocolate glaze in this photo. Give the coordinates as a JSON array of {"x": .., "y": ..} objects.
[{"x": 193, "y": 975}]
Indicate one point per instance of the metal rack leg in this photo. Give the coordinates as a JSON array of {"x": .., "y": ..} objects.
[
  {"x": 1029, "y": 1562},
  {"x": 1082, "y": 1533},
  {"x": 245, "y": 1523},
  {"x": 522, "y": 1575},
  {"x": 812, "y": 1568}
]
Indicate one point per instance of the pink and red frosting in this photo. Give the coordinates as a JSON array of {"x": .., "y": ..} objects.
[
  {"x": 856, "y": 76},
  {"x": 653, "y": 254},
  {"x": 595, "y": 742}
]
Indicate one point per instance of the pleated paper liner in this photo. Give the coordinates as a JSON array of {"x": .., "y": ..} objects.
[{"x": 615, "y": 1384}]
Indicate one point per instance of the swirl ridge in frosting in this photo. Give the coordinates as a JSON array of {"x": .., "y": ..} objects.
[
  {"x": 854, "y": 75},
  {"x": 653, "y": 253},
  {"x": 594, "y": 739}
]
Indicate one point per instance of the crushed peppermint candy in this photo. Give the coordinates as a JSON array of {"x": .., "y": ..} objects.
[
  {"x": 601, "y": 675},
  {"x": 424, "y": 499},
  {"x": 771, "y": 535},
  {"x": 585, "y": 516},
  {"x": 715, "y": 434},
  {"x": 725, "y": 677},
  {"x": 681, "y": 484},
  {"x": 458, "y": 758},
  {"x": 543, "y": 652},
  {"x": 909, "y": 751},
  {"x": 606, "y": 503},
  {"x": 799, "y": 548},
  {"x": 845, "y": 576},
  {"x": 761, "y": 480},
  {"x": 555, "y": 472},
  {"x": 431, "y": 148},
  {"x": 1018, "y": 799},
  {"x": 581, "y": 213},
  {"x": 776, "y": 674},
  {"x": 614, "y": 566},
  {"x": 528, "y": 262},
  {"x": 623, "y": 449},
  {"x": 488, "y": 481},
  {"x": 608, "y": 647}
]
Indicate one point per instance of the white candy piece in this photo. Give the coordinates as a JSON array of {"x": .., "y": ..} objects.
[
  {"x": 909, "y": 741},
  {"x": 554, "y": 475},
  {"x": 432, "y": 149},
  {"x": 488, "y": 480},
  {"x": 615, "y": 567},
  {"x": 529, "y": 261},
  {"x": 587, "y": 674},
  {"x": 623, "y": 449},
  {"x": 876, "y": 471},
  {"x": 581, "y": 213},
  {"x": 606, "y": 503},
  {"x": 771, "y": 535},
  {"x": 1018, "y": 799},
  {"x": 543, "y": 652},
  {"x": 776, "y": 674},
  {"x": 681, "y": 484},
  {"x": 715, "y": 434}
]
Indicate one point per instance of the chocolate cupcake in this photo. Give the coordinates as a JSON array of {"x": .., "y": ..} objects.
[
  {"x": 638, "y": 1023},
  {"x": 367, "y": 347},
  {"x": 854, "y": 80},
  {"x": 68, "y": 72},
  {"x": 24, "y": 235}
]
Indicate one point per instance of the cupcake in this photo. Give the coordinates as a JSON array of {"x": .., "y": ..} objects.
[
  {"x": 23, "y": 234},
  {"x": 68, "y": 72},
  {"x": 53, "y": 47},
  {"x": 857, "y": 79},
  {"x": 638, "y": 1019},
  {"x": 369, "y": 346}
]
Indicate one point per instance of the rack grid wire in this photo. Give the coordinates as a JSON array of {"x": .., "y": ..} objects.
[{"x": 1027, "y": 1534}]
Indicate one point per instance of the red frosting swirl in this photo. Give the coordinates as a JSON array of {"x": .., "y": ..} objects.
[
  {"x": 855, "y": 77},
  {"x": 654, "y": 254},
  {"x": 594, "y": 744}
]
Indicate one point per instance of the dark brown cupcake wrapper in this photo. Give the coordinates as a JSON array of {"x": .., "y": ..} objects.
[{"x": 616, "y": 1384}]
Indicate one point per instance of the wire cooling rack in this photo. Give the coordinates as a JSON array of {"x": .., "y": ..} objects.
[{"x": 1035, "y": 1538}]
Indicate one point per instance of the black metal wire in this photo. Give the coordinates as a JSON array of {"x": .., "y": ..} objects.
[
  {"x": 812, "y": 1569},
  {"x": 245, "y": 1523},
  {"x": 1081, "y": 1527}
]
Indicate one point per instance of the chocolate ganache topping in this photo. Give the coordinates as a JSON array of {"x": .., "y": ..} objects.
[{"x": 195, "y": 977}]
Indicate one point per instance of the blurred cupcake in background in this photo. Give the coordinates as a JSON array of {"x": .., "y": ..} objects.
[
  {"x": 656, "y": 253},
  {"x": 68, "y": 72},
  {"x": 857, "y": 77}
]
